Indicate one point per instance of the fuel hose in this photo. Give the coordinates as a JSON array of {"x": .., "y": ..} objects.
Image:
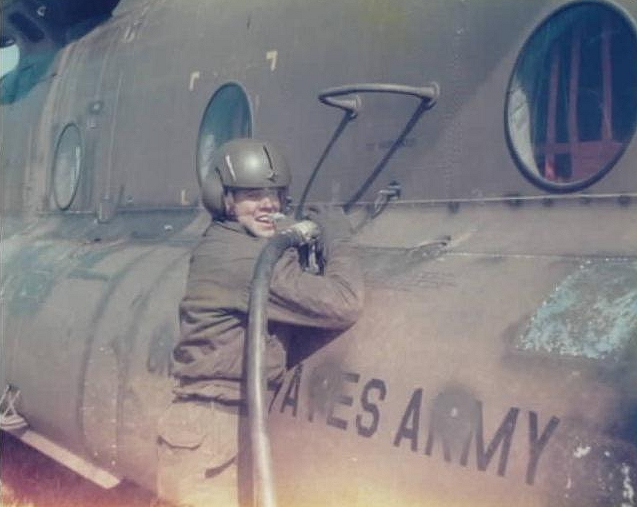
[{"x": 262, "y": 473}]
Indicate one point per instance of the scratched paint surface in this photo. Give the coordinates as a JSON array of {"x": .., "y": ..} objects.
[{"x": 591, "y": 314}]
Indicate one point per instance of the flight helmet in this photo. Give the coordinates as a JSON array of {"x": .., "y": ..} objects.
[{"x": 242, "y": 163}]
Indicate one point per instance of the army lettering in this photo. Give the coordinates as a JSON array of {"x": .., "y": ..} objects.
[
  {"x": 367, "y": 424},
  {"x": 453, "y": 423}
]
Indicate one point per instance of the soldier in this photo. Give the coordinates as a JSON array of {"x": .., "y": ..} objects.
[{"x": 202, "y": 435}]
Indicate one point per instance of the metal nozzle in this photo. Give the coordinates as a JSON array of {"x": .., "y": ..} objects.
[
  {"x": 306, "y": 229},
  {"x": 276, "y": 217}
]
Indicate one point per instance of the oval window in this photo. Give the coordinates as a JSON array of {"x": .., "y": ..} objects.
[
  {"x": 571, "y": 106},
  {"x": 67, "y": 165},
  {"x": 9, "y": 55},
  {"x": 227, "y": 117}
]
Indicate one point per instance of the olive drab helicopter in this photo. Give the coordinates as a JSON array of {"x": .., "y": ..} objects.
[{"x": 484, "y": 153}]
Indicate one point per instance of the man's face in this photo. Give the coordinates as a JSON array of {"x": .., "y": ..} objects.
[{"x": 252, "y": 208}]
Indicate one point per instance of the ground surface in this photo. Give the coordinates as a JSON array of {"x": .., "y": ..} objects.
[{"x": 30, "y": 479}]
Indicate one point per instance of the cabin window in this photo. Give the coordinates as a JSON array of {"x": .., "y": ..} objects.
[
  {"x": 67, "y": 166},
  {"x": 227, "y": 117},
  {"x": 572, "y": 99},
  {"x": 9, "y": 56}
]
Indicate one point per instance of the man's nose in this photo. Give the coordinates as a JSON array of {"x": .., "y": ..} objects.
[{"x": 269, "y": 200}]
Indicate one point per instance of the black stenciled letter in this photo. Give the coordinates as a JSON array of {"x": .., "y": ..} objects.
[
  {"x": 446, "y": 448},
  {"x": 291, "y": 397},
  {"x": 410, "y": 423},
  {"x": 368, "y": 431},
  {"x": 503, "y": 436},
  {"x": 342, "y": 399},
  {"x": 537, "y": 445}
]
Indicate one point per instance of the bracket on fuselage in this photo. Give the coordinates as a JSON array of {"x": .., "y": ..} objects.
[{"x": 10, "y": 420}]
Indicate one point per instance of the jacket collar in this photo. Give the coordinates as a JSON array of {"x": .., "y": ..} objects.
[{"x": 232, "y": 225}]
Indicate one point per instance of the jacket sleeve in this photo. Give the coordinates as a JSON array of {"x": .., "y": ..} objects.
[
  {"x": 333, "y": 300},
  {"x": 221, "y": 286}
]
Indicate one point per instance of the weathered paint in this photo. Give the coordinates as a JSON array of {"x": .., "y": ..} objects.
[{"x": 591, "y": 314}]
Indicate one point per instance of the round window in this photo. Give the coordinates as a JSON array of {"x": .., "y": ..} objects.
[
  {"x": 571, "y": 106},
  {"x": 227, "y": 117},
  {"x": 9, "y": 55},
  {"x": 67, "y": 165}
]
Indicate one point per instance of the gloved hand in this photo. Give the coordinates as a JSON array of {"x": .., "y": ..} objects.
[{"x": 334, "y": 226}]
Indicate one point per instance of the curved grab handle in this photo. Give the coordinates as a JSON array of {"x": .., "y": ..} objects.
[
  {"x": 346, "y": 98},
  {"x": 429, "y": 93},
  {"x": 351, "y": 105}
]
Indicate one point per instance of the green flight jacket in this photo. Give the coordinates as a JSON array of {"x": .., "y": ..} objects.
[{"x": 209, "y": 358}]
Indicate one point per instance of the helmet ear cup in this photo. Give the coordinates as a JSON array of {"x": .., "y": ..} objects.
[{"x": 212, "y": 194}]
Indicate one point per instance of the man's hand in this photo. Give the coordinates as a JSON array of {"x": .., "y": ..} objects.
[{"x": 334, "y": 226}]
